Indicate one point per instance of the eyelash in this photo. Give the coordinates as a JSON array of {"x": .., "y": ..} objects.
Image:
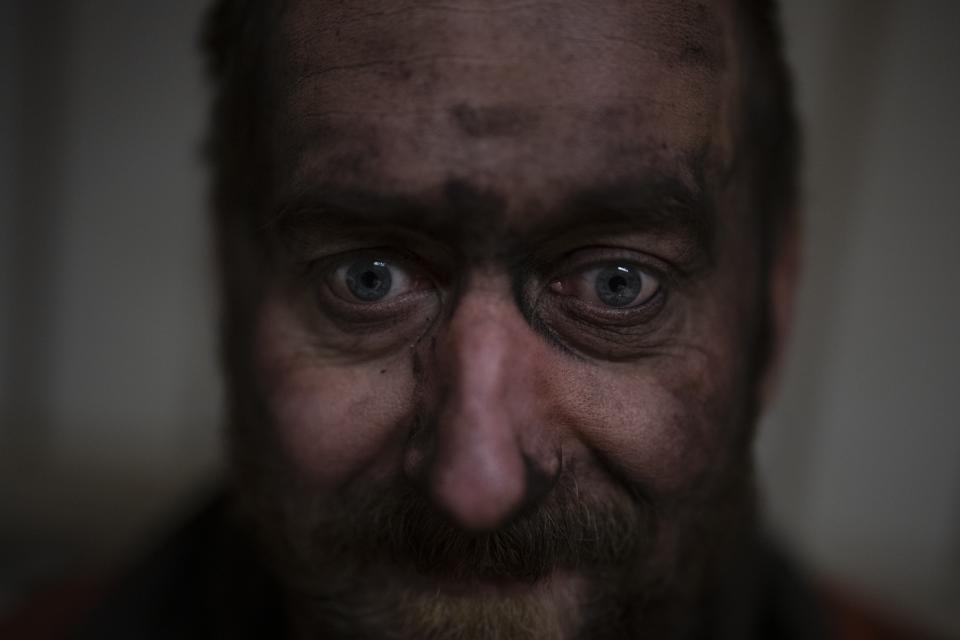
[{"x": 581, "y": 260}]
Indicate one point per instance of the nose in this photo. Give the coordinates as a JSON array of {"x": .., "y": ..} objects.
[{"x": 491, "y": 455}]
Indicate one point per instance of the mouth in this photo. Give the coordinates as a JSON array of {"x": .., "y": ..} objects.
[{"x": 400, "y": 541}]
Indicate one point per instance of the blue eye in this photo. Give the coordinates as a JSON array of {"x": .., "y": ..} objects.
[
  {"x": 617, "y": 285},
  {"x": 369, "y": 280}
]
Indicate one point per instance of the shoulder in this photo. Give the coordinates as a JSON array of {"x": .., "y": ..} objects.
[
  {"x": 796, "y": 606},
  {"x": 203, "y": 581},
  {"x": 852, "y": 618}
]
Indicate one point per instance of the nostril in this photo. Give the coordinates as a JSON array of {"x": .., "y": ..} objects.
[{"x": 539, "y": 479}]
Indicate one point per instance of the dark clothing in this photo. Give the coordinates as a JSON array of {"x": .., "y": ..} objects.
[{"x": 203, "y": 582}]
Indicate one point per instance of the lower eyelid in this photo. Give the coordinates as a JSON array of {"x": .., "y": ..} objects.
[
  {"x": 568, "y": 316},
  {"x": 618, "y": 313},
  {"x": 359, "y": 317}
]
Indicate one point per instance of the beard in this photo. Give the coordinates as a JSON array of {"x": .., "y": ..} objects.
[{"x": 383, "y": 562}]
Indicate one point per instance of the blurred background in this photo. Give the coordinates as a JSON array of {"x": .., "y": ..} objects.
[{"x": 109, "y": 397}]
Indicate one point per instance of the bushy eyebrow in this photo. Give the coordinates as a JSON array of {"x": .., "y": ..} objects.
[
  {"x": 661, "y": 205},
  {"x": 462, "y": 216},
  {"x": 322, "y": 210}
]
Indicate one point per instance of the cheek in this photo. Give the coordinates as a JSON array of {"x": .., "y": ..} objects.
[
  {"x": 333, "y": 421},
  {"x": 663, "y": 426},
  {"x": 676, "y": 421}
]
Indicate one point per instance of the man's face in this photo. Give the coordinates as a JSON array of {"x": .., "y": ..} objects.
[{"x": 503, "y": 344}]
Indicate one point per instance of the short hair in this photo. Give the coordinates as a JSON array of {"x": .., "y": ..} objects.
[{"x": 235, "y": 41}]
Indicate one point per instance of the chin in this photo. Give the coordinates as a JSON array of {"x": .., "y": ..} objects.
[
  {"x": 562, "y": 606},
  {"x": 549, "y": 609}
]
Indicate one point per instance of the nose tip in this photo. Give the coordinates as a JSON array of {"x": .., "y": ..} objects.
[
  {"x": 480, "y": 471},
  {"x": 485, "y": 505},
  {"x": 477, "y": 475},
  {"x": 482, "y": 485},
  {"x": 480, "y": 496}
]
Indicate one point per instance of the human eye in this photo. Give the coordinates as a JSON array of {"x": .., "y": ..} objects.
[
  {"x": 371, "y": 289},
  {"x": 615, "y": 285},
  {"x": 370, "y": 279},
  {"x": 608, "y": 303}
]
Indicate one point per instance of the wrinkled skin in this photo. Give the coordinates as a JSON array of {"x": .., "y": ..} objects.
[{"x": 496, "y": 157}]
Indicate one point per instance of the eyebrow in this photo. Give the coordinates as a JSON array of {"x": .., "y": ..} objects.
[
  {"x": 320, "y": 211},
  {"x": 659, "y": 205},
  {"x": 462, "y": 215}
]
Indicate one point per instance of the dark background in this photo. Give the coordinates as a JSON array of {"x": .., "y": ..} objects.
[{"x": 109, "y": 399}]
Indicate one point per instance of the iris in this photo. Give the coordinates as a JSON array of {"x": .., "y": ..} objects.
[
  {"x": 619, "y": 285},
  {"x": 369, "y": 280}
]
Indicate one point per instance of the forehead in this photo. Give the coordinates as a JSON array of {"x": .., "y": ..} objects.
[{"x": 522, "y": 99}]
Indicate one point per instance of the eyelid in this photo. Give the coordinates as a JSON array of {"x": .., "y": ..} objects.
[
  {"x": 582, "y": 287},
  {"x": 542, "y": 300},
  {"x": 406, "y": 273},
  {"x": 330, "y": 241},
  {"x": 401, "y": 281},
  {"x": 584, "y": 258},
  {"x": 413, "y": 262},
  {"x": 345, "y": 255}
]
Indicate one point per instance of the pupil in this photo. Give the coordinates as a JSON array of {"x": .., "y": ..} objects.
[
  {"x": 370, "y": 280},
  {"x": 617, "y": 284}
]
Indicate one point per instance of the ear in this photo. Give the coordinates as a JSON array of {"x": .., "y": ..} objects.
[{"x": 781, "y": 286}]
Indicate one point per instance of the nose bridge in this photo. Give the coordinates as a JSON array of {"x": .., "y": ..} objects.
[
  {"x": 480, "y": 468},
  {"x": 477, "y": 351}
]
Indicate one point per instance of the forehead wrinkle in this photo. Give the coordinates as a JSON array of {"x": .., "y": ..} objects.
[
  {"x": 681, "y": 23},
  {"x": 354, "y": 128},
  {"x": 671, "y": 31},
  {"x": 446, "y": 63},
  {"x": 675, "y": 33}
]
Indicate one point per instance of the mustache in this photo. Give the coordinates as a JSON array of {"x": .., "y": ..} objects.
[{"x": 401, "y": 527}]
